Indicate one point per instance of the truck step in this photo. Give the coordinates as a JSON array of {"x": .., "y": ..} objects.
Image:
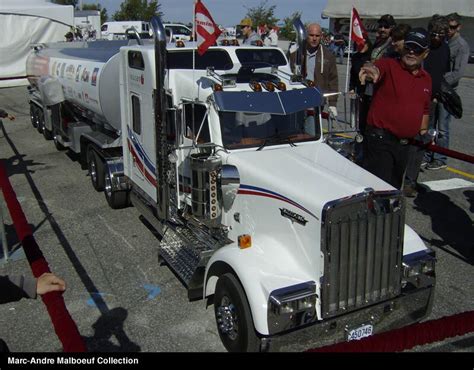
[{"x": 185, "y": 252}]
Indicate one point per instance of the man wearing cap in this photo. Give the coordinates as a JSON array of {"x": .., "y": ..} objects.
[
  {"x": 250, "y": 37},
  {"x": 399, "y": 110},
  {"x": 383, "y": 42}
]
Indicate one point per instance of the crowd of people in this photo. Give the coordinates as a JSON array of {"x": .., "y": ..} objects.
[{"x": 398, "y": 82}]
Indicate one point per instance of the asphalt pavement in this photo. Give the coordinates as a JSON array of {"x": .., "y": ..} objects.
[{"x": 123, "y": 300}]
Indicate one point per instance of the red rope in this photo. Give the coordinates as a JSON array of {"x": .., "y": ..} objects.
[
  {"x": 64, "y": 325},
  {"x": 409, "y": 336},
  {"x": 448, "y": 152}
]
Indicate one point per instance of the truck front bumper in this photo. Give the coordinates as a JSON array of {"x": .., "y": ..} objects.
[{"x": 404, "y": 310}]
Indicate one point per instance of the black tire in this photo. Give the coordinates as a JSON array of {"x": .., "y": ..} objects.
[
  {"x": 233, "y": 316},
  {"x": 57, "y": 144},
  {"x": 47, "y": 134},
  {"x": 40, "y": 126},
  {"x": 116, "y": 199},
  {"x": 34, "y": 115},
  {"x": 95, "y": 173}
]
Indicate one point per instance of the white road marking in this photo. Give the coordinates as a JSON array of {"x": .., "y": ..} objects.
[{"x": 449, "y": 184}]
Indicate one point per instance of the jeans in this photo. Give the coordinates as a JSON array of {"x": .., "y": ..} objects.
[
  {"x": 439, "y": 120},
  {"x": 339, "y": 51}
]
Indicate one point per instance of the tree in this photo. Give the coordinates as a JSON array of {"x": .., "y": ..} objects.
[
  {"x": 262, "y": 14},
  {"x": 137, "y": 10},
  {"x": 288, "y": 31},
  {"x": 104, "y": 17}
]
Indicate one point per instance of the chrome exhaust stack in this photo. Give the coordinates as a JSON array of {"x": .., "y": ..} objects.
[
  {"x": 162, "y": 164},
  {"x": 301, "y": 39}
]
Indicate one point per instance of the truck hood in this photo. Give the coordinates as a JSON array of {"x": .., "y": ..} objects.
[{"x": 308, "y": 175}]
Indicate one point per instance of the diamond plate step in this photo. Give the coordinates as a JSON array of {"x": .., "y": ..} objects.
[{"x": 185, "y": 251}]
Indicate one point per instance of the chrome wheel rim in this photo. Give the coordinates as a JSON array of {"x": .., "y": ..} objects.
[{"x": 227, "y": 319}]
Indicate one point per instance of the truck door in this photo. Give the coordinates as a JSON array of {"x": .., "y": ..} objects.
[{"x": 139, "y": 152}]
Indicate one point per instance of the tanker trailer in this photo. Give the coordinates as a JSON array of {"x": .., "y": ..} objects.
[{"x": 74, "y": 99}]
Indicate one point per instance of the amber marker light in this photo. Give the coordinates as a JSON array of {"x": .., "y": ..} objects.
[
  {"x": 255, "y": 86},
  {"x": 245, "y": 241},
  {"x": 281, "y": 86},
  {"x": 217, "y": 87},
  {"x": 268, "y": 86}
]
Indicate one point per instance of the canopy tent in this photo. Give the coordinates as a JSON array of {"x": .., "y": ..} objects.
[
  {"x": 27, "y": 22},
  {"x": 416, "y": 13},
  {"x": 399, "y": 9}
]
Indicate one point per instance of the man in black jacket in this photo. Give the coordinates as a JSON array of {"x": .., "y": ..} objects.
[{"x": 437, "y": 65}]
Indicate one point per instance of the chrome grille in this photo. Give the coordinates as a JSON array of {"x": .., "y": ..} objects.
[{"x": 362, "y": 240}]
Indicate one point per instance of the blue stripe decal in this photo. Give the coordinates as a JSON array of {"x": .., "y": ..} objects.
[{"x": 141, "y": 152}]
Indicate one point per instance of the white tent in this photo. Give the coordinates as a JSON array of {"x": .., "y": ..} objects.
[
  {"x": 27, "y": 22},
  {"x": 416, "y": 13},
  {"x": 399, "y": 9}
]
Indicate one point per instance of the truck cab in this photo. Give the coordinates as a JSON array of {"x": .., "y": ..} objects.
[{"x": 263, "y": 218}]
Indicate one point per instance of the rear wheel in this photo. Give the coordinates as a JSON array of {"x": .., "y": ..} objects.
[
  {"x": 34, "y": 115},
  {"x": 96, "y": 175},
  {"x": 116, "y": 199},
  {"x": 40, "y": 120},
  {"x": 58, "y": 144},
  {"x": 233, "y": 316}
]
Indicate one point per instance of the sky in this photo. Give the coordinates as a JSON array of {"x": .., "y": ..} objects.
[{"x": 228, "y": 12}]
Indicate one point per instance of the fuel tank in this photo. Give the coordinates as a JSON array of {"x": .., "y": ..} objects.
[{"x": 88, "y": 73}]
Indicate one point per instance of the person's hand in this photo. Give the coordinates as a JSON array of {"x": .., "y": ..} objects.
[
  {"x": 368, "y": 72},
  {"x": 49, "y": 283},
  {"x": 11, "y": 117},
  {"x": 333, "y": 110}
]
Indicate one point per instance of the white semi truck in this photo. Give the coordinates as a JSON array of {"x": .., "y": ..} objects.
[{"x": 288, "y": 239}]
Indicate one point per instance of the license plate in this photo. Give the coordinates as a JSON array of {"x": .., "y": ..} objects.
[{"x": 360, "y": 332}]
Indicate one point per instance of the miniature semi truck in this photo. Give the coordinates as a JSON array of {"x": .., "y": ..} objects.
[{"x": 223, "y": 154}]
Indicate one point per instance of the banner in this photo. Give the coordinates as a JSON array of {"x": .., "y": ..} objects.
[
  {"x": 358, "y": 31},
  {"x": 207, "y": 30}
]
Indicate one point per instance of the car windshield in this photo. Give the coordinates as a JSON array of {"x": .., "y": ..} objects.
[{"x": 244, "y": 129}]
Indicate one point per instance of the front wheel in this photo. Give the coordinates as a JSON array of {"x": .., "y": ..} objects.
[{"x": 233, "y": 316}]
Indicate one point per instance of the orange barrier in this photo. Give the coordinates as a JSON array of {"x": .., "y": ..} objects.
[
  {"x": 64, "y": 325},
  {"x": 409, "y": 336}
]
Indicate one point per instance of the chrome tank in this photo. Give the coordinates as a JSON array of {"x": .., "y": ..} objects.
[{"x": 88, "y": 73}]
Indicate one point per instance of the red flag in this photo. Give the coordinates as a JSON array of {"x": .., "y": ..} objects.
[
  {"x": 206, "y": 29},
  {"x": 359, "y": 32}
]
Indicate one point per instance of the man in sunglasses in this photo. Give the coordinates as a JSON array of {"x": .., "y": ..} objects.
[
  {"x": 250, "y": 37},
  {"x": 399, "y": 110},
  {"x": 383, "y": 42}
]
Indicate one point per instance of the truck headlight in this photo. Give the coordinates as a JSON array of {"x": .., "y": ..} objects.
[
  {"x": 292, "y": 306},
  {"x": 419, "y": 269}
]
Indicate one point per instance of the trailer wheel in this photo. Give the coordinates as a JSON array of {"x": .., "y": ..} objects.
[
  {"x": 40, "y": 126},
  {"x": 57, "y": 144},
  {"x": 33, "y": 115},
  {"x": 97, "y": 178},
  {"x": 47, "y": 134},
  {"x": 233, "y": 316},
  {"x": 116, "y": 199}
]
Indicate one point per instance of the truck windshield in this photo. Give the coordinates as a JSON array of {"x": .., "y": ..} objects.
[{"x": 244, "y": 129}]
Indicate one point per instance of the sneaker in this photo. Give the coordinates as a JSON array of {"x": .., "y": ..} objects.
[
  {"x": 436, "y": 165},
  {"x": 424, "y": 164}
]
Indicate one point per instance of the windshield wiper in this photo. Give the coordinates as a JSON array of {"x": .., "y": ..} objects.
[{"x": 276, "y": 139}]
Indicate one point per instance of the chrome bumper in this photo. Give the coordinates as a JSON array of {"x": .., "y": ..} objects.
[{"x": 391, "y": 314}]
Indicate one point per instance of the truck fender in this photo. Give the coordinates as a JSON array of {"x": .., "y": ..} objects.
[{"x": 255, "y": 271}]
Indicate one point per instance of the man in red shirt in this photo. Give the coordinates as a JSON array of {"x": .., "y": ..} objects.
[{"x": 399, "y": 110}]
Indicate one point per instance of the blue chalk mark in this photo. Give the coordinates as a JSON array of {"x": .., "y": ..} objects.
[
  {"x": 92, "y": 300},
  {"x": 153, "y": 291}
]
